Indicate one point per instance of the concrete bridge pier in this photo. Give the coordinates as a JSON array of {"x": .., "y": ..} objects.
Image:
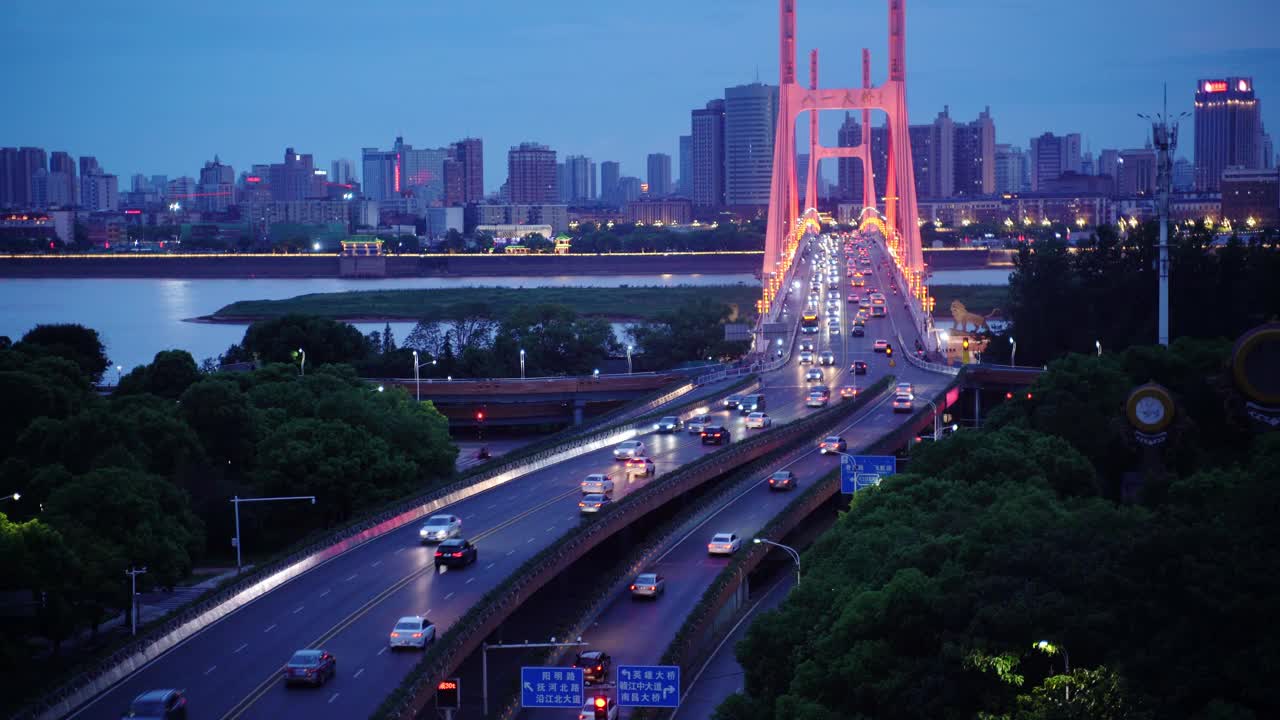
[{"x": 578, "y": 407}]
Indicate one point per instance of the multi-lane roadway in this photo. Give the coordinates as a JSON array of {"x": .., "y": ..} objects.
[{"x": 349, "y": 605}]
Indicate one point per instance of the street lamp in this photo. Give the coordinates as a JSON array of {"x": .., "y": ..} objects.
[
  {"x": 1098, "y": 344},
  {"x": 133, "y": 574},
  {"x": 1049, "y": 648},
  {"x": 302, "y": 366},
  {"x": 795, "y": 554},
  {"x": 521, "y": 363},
  {"x": 235, "y": 502},
  {"x": 935, "y": 418},
  {"x": 15, "y": 497},
  {"x": 119, "y": 374},
  {"x": 629, "y": 359},
  {"x": 417, "y": 382},
  {"x": 1013, "y": 355}
]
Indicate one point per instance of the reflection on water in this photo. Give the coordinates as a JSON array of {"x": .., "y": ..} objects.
[{"x": 138, "y": 317}]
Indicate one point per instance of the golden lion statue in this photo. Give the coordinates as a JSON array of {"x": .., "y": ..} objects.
[{"x": 963, "y": 317}]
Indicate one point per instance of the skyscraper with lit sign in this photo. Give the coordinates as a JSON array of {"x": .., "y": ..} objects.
[{"x": 1228, "y": 129}]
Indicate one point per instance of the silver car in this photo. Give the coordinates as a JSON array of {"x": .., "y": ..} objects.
[
  {"x": 697, "y": 423},
  {"x": 592, "y": 503},
  {"x": 597, "y": 484},
  {"x": 628, "y": 449},
  {"x": 648, "y": 585},
  {"x": 439, "y": 528}
]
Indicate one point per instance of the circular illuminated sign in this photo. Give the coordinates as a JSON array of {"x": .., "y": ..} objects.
[
  {"x": 1150, "y": 408},
  {"x": 1255, "y": 364}
]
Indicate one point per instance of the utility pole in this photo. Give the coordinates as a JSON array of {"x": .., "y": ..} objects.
[
  {"x": 133, "y": 574},
  {"x": 1164, "y": 135}
]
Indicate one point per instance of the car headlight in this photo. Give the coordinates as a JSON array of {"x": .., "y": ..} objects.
[
  {"x": 422, "y": 533},
  {"x": 657, "y": 426}
]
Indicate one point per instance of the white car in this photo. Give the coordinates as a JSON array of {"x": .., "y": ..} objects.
[
  {"x": 904, "y": 388},
  {"x": 597, "y": 483},
  {"x": 628, "y": 449},
  {"x": 813, "y": 375},
  {"x": 588, "y": 711},
  {"x": 639, "y": 466},
  {"x": 439, "y": 528},
  {"x": 759, "y": 420},
  {"x": 724, "y": 544},
  {"x": 413, "y": 631},
  {"x": 697, "y": 423},
  {"x": 806, "y": 357}
]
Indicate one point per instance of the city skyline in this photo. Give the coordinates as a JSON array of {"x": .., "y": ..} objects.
[{"x": 183, "y": 122}]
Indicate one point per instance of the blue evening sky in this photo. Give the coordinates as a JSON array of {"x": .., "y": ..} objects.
[{"x": 159, "y": 87}]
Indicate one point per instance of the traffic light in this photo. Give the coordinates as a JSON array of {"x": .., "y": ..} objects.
[
  {"x": 479, "y": 416},
  {"x": 888, "y": 351},
  {"x": 965, "y": 344},
  {"x": 447, "y": 694},
  {"x": 601, "y": 705}
]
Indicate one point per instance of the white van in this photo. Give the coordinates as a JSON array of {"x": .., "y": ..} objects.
[{"x": 597, "y": 483}]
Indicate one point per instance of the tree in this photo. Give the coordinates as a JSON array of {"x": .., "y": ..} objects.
[
  {"x": 324, "y": 340},
  {"x": 471, "y": 325},
  {"x": 388, "y": 340},
  {"x": 693, "y": 333},
  {"x": 555, "y": 340},
  {"x": 426, "y": 338},
  {"x": 76, "y": 343},
  {"x": 168, "y": 375}
]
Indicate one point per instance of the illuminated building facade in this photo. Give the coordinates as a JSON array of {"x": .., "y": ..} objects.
[{"x": 1228, "y": 129}]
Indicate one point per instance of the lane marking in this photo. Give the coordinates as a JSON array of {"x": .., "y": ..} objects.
[
  {"x": 490, "y": 507},
  {"x": 240, "y": 648},
  {"x": 489, "y": 566},
  {"x": 468, "y": 517},
  {"x": 399, "y": 550},
  {"x": 326, "y": 592},
  {"x": 510, "y": 553},
  {"x": 376, "y": 564},
  {"x": 211, "y": 669},
  {"x": 295, "y": 612},
  {"x": 469, "y": 581},
  {"x": 358, "y": 673},
  {"x": 446, "y": 597},
  {"x": 269, "y": 629},
  {"x": 384, "y": 649},
  {"x": 526, "y": 542},
  {"x": 552, "y": 528},
  {"x": 353, "y": 577},
  {"x": 335, "y": 697}
]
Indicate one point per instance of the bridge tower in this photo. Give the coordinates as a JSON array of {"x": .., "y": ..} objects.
[{"x": 786, "y": 225}]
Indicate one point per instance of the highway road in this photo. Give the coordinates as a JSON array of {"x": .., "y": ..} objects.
[
  {"x": 638, "y": 631},
  {"x": 349, "y": 604}
]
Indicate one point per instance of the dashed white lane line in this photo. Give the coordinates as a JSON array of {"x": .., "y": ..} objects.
[
  {"x": 490, "y": 507},
  {"x": 552, "y": 528},
  {"x": 269, "y": 629},
  {"x": 358, "y": 673},
  {"x": 510, "y": 553},
  {"x": 376, "y": 564},
  {"x": 446, "y": 597},
  {"x": 468, "y": 517},
  {"x": 326, "y": 592},
  {"x": 211, "y": 669},
  {"x": 489, "y": 566},
  {"x": 384, "y": 649},
  {"x": 469, "y": 581},
  {"x": 526, "y": 542},
  {"x": 353, "y": 577},
  {"x": 335, "y": 697},
  {"x": 399, "y": 550},
  {"x": 242, "y": 647}
]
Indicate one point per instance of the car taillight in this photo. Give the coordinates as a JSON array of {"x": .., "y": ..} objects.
[
  {"x": 438, "y": 553},
  {"x": 704, "y": 434},
  {"x": 598, "y": 669},
  {"x": 395, "y": 634},
  {"x": 633, "y": 587},
  {"x": 457, "y": 554},
  {"x": 417, "y": 634},
  {"x": 581, "y": 504}
]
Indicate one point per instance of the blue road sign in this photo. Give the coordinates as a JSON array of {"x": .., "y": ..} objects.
[
  {"x": 551, "y": 687},
  {"x": 853, "y": 466},
  {"x": 649, "y": 686}
]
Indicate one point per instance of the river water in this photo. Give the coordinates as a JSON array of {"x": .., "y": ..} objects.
[{"x": 138, "y": 317}]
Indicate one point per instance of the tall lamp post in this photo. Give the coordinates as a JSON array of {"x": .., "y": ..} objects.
[
  {"x": 133, "y": 574},
  {"x": 629, "y": 347},
  {"x": 1013, "y": 356},
  {"x": 521, "y": 363},
  {"x": 302, "y": 365},
  {"x": 15, "y": 497},
  {"x": 235, "y": 501},
  {"x": 1049, "y": 648},
  {"x": 417, "y": 382},
  {"x": 935, "y": 418},
  {"x": 795, "y": 554},
  {"x": 1098, "y": 344}
]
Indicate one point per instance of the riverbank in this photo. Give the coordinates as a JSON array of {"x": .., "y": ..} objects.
[{"x": 632, "y": 303}]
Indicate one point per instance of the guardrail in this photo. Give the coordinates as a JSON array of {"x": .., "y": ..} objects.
[
  {"x": 468, "y": 632},
  {"x": 698, "y": 632},
  {"x": 197, "y": 615}
]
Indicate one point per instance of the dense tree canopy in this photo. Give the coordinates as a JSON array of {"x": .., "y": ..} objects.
[
  {"x": 692, "y": 334},
  {"x": 81, "y": 345},
  {"x": 281, "y": 340},
  {"x": 928, "y": 597}
]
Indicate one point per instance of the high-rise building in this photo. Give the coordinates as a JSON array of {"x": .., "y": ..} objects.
[
  {"x": 1109, "y": 163},
  {"x": 215, "y": 192},
  {"x": 160, "y": 185},
  {"x": 659, "y": 174},
  {"x": 562, "y": 182},
  {"x": 1267, "y": 153},
  {"x": 380, "y": 178},
  {"x": 99, "y": 192},
  {"x": 342, "y": 171},
  {"x": 89, "y": 165},
  {"x": 1184, "y": 175},
  {"x": 17, "y": 167},
  {"x": 849, "y": 171},
  {"x": 470, "y": 152},
  {"x": 455, "y": 182},
  {"x": 422, "y": 171},
  {"x": 1228, "y": 129},
  {"x": 296, "y": 178},
  {"x": 802, "y": 176},
  {"x": 1010, "y": 169},
  {"x": 750, "y": 119},
  {"x": 974, "y": 149},
  {"x": 940, "y": 160},
  {"x": 707, "y": 140},
  {"x": 1052, "y": 155},
  {"x": 628, "y": 189},
  {"x": 880, "y": 160},
  {"x": 610, "y": 171},
  {"x": 62, "y": 175},
  {"x": 181, "y": 190},
  {"x": 531, "y": 174},
  {"x": 685, "y": 186},
  {"x": 1087, "y": 166},
  {"x": 1137, "y": 173},
  {"x": 579, "y": 178}
]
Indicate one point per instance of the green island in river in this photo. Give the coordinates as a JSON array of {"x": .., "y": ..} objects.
[{"x": 626, "y": 302}]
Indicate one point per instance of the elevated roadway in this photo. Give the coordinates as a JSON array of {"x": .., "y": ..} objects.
[{"x": 349, "y": 604}]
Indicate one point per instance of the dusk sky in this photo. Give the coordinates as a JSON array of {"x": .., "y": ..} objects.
[{"x": 160, "y": 87}]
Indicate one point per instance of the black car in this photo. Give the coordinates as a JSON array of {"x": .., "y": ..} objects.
[
  {"x": 858, "y": 331},
  {"x": 732, "y": 402},
  {"x": 595, "y": 666},
  {"x": 859, "y": 368},
  {"x": 158, "y": 705},
  {"x": 455, "y": 552},
  {"x": 782, "y": 480},
  {"x": 714, "y": 435},
  {"x": 312, "y": 667}
]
